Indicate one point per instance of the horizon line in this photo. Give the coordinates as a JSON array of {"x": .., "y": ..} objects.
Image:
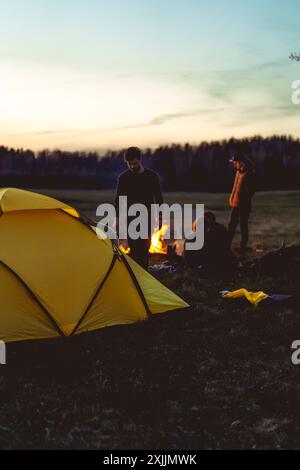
[{"x": 155, "y": 147}]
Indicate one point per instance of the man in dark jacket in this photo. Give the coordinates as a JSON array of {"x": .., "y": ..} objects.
[
  {"x": 240, "y": 200},
  {"x": 141, "y": 186}
]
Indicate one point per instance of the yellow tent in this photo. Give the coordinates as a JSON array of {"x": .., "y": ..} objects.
[{"x": 57, "y": 278}]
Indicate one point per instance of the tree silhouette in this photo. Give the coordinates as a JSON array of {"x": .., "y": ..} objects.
[{"x": 202, "y": 167}]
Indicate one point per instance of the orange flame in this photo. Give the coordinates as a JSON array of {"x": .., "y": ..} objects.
[
  {"x": 125, "y": 250},
  {"x": 157, "y": 238},
  {"x": 157, "y": 245}
]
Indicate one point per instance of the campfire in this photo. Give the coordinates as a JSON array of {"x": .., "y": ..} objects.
[
  {"x": 157, "y": 241},
  {"x": 158, "y": 246}
]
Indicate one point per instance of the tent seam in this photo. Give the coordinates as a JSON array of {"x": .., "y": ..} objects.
[
  {"x": 80, "y": 220},
  {"x": 137, "y": 285},
  {"x": 103, "y": 281},
  {"x": 4, "y": 193},
  {"x": 34, "y": 297}
]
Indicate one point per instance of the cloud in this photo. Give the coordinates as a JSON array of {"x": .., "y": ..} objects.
[
  {"x": 44, "y": 132},
  {"x": 165, "y": 118},
  {"x": 158, "y": 120}
]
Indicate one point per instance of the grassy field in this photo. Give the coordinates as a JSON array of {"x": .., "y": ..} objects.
[
  {"x": 216, "y": 376},
  {"x": 275, "y": 217}
]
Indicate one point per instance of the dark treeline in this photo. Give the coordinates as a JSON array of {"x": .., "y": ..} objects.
[{"x": 202, "y": 167}]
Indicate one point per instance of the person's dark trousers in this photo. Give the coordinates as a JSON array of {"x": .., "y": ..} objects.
[
  {"x": 239, "y": 216},
  {"x": 139, "y": 251}
]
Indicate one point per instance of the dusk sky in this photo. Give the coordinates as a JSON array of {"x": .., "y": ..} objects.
[{"x": 98, "y": 74}]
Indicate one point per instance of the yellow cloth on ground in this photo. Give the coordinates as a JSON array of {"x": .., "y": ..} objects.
[{"x": 253, "y": 297}]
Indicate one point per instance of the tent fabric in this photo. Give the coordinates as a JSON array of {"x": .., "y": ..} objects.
[
  {"x": 12, "y": 199},
  {"x": 159, "y": 298},
  {"x": 57, "y": 278}
]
